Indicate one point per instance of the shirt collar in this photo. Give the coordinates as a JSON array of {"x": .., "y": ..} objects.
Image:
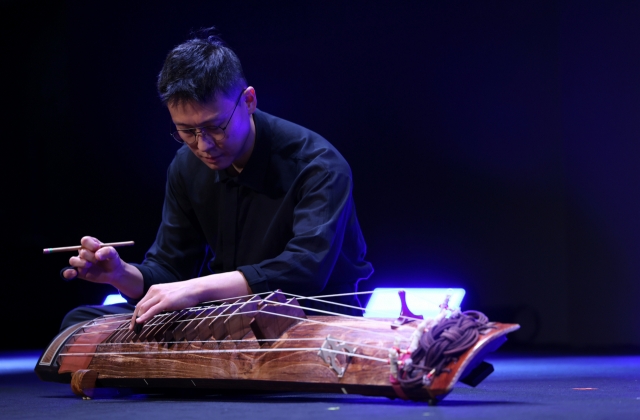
[{"x": 255, "y": 170}]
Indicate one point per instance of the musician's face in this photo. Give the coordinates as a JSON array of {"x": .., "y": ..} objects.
[{"x": 235, "y": 145}]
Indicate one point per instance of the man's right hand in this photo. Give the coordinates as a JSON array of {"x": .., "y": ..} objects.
[
  {"x": 99, "y": 264},
  {"x": 94, "y": 263}
]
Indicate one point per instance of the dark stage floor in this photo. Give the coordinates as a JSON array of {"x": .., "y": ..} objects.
[{"x": 522, "y": 387}]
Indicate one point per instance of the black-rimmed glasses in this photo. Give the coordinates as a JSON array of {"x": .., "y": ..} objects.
[{"x": 214, "y": 132}]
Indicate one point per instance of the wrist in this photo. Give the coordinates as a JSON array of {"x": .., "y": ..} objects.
[
  {"x": 129, "y": 281},
  {"x": 203, "y": 288},
  {"x": 221, "y": 286}
]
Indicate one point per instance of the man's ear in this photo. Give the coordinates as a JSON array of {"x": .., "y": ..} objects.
[{"x": 250, "y": 99}]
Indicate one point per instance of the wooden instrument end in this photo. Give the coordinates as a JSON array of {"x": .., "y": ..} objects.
[{"x": 83, "y": 382}]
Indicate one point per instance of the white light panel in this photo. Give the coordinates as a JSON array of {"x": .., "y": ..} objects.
[
  {"x": 111, "y": 299},
  {"x": 385, "y": 302}
]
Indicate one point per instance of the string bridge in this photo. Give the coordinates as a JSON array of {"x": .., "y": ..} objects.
[
  {"x": 406, "y": 315},
  {"x": 331, "y": 349}
]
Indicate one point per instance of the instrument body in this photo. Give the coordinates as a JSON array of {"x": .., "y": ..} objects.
[{"x": 204, "y": 351}]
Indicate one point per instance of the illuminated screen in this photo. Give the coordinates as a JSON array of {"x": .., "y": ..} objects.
[
  {"x": 385, "y": 302},
  {"x": 111, "y": 299}
]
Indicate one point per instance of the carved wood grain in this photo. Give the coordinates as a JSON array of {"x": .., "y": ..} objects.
[
  {"x": 85, "y": 340},
  {"x": 83, "y": 382},
  {"x": 444, "y": 382},
  {"x": 295, "y": 365},
  {"x": 162, "y": 364}
]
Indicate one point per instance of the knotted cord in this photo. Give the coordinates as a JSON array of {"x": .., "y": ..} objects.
[{"x": 441, "y": 345}]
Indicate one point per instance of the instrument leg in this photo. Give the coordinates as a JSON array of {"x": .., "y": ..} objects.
[
  {"x": 83, "y": 383},
  {"x": 478, "y": 374}
]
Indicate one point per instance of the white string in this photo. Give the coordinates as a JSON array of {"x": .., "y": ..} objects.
[
  {"x": 360, "y": 319},
  {"x": 386, "y": 334},
  {"x": 227, "y": 302},
  {"x": 335, "y": 295},
  {"x": 299, "y": 297},
  {"x": 357, "y": 318},
  {"x": 164, "y": 314},
  {"x": 161, "y": 318},
  {"x": 230, "y": 303},
  {"x": 362, "y": 356},
  {"x": 306, "y": 297},
  {"x": 226, "y": 341},
  {"x": 237, "y": 297}
]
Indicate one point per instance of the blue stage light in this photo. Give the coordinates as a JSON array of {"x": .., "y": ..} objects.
[
  {"x": 385, "y": 302},
  {"x": 111, "y": 299},
  {"x": 18, "y": 362}
]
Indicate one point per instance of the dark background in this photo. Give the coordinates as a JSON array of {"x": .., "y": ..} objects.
[{"x": 494, "y": 145}]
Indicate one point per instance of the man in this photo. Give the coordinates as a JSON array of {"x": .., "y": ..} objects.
[{"x": 271, "y": 200}]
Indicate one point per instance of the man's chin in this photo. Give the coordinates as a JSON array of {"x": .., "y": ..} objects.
[{"x": 215, "y": 164}]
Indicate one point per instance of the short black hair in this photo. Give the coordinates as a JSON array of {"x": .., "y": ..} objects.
[{"x": 200, "y": 68}]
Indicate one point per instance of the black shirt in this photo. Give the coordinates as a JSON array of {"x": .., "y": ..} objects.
[{"x": 287, "y": 221}]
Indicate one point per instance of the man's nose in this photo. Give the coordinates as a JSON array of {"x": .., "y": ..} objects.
[{"x": 205, "y": 141}]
